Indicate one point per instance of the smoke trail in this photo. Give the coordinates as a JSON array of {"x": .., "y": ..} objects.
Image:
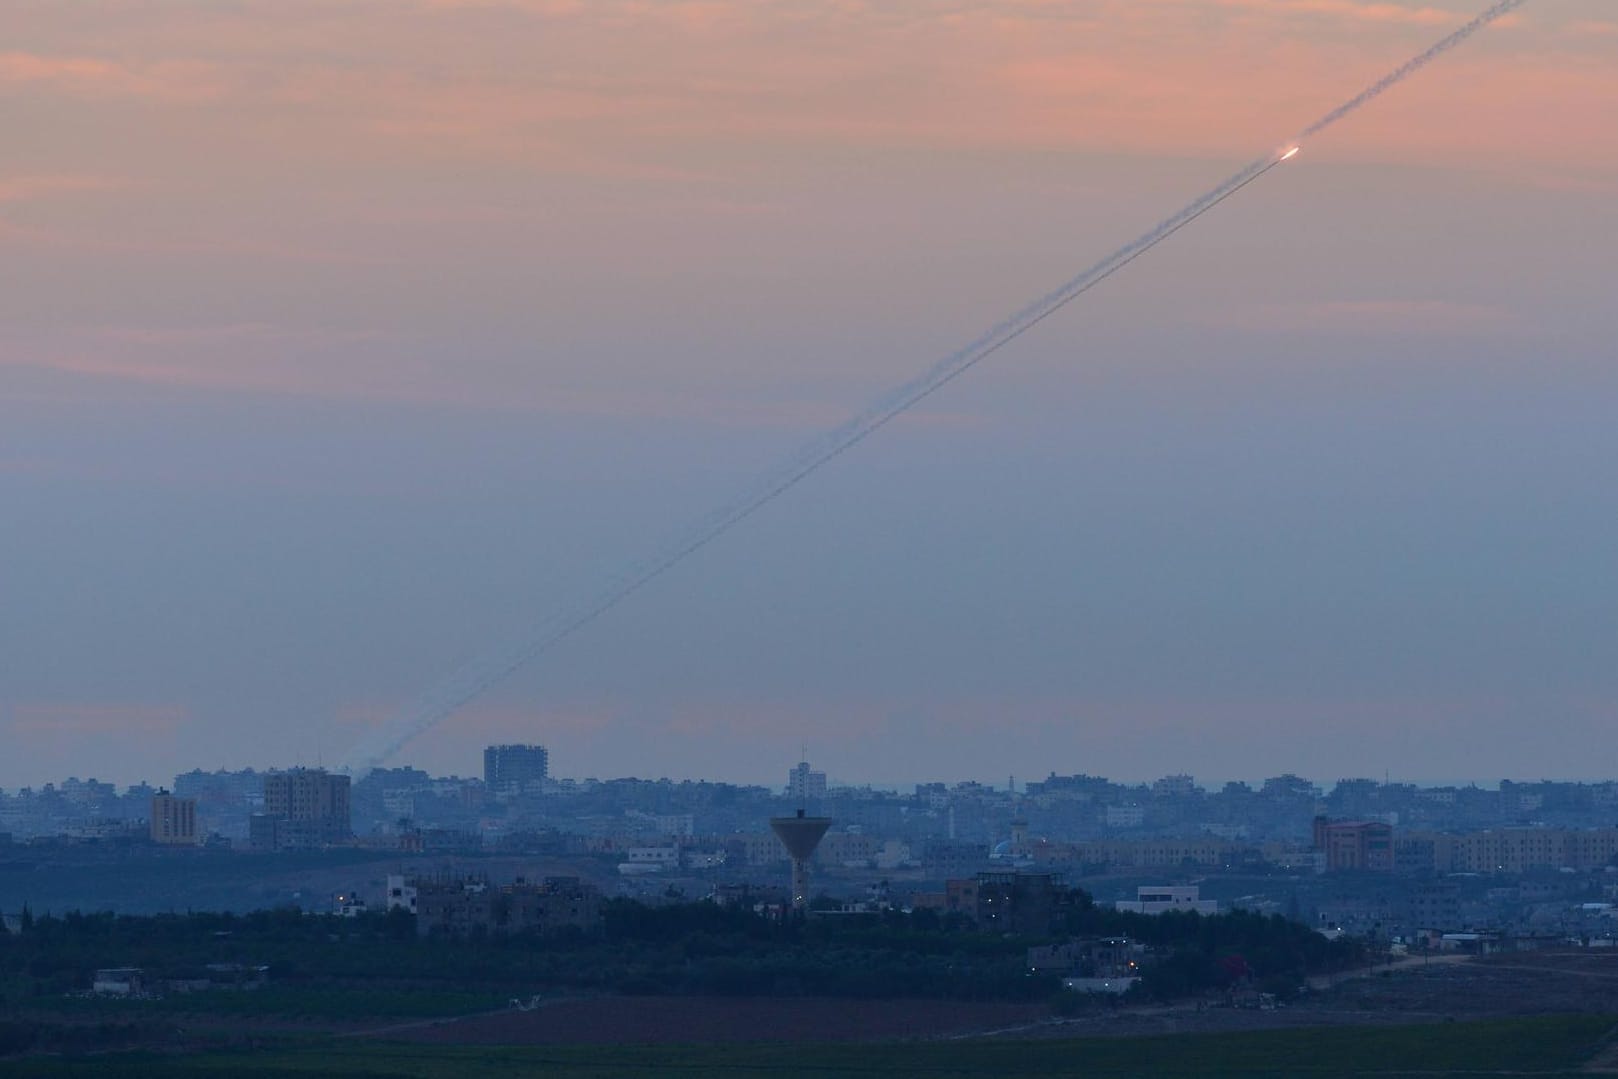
[
  {"x": 471, "y": 680},
  {"x": 1411, "y": 66}
]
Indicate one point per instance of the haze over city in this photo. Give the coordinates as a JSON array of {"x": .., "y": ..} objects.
[{"x": 339, "y": 340}]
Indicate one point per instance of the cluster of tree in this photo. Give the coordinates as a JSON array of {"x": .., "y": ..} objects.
[
  {"x": 678, "y": 948},
  {"x": 1194, "y": 953},
  {"x": 1271, "y": 953}
]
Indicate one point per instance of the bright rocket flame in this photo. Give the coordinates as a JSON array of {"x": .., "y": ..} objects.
[{"x": 1290, "y": 154}]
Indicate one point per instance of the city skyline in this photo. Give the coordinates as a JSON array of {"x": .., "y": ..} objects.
[
  {"x": 1012, "y": 783},
  {"x": 339, "y": 347}
]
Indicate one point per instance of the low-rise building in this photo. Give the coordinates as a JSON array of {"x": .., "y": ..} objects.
[
  {"x": 1094, "y": 957},
  {"x": 119, "y": 982},
  {"x": 1355, "y": 845},
  {"x": 651, "y": 859},
  {"x": 1124, "y": 816},
  {"x": 1109, "y": 986},
  {"x": 464, "y": 907},
  {"x": 752, "y": 896},
  {"x": 1016, "y": 902},
  {"x": 1202, "y": 851},
  {"x": 847, "y": 849},
  {"x": 943, "y": 859},
  {"x": 1433, "y": 905},
  {"x": 401, "y": 893},
  {"x": 1167, "y": 898},
  {"x": 349, "y": 904},
  {"x": 754, "y": 849}
]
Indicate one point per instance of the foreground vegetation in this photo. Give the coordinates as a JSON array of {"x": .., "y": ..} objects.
[
  {"x": 325, "y": 972},
  {"x": 1546, "y": 1047},
  {"x": 687, "y": 948}
]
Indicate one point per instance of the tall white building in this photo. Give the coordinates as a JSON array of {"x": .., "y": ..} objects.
[{"x": 804, "y": 786}]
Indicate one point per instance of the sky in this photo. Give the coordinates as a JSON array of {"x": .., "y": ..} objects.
[{"x": 341, "y": 341}]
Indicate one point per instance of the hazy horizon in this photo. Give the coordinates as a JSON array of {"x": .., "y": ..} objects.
[
  {"x": 1211, "y": 784},
  {"x": 343, "y": 338}
]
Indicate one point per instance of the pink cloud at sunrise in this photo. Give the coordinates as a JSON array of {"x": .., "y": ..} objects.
[{"x": 564, "y": 85}]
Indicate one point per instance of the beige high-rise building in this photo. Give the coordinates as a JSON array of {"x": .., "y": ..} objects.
[
  {"x": 173, "y": 820},
  {"x": 306, "y": 807}
]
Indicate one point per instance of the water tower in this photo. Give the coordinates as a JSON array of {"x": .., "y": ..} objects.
[{"x": 800, "y": 835}]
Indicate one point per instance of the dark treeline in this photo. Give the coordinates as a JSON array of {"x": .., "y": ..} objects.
[{"x": 682, "y": 948}]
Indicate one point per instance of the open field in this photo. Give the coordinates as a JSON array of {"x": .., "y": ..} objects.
[
  {"x": 1503, "y": 987},
  {"x": 1546, "y": 1047},
  {"x": 1542, "y": 1014},
  {"x": 1499, "y": 987},
  {"x": 1531, "y": 983},
  {"x": 710, "y": 1020}
]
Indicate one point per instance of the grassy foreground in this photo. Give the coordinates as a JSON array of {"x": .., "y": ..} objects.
[{"x": 1546, "y": 1047}]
